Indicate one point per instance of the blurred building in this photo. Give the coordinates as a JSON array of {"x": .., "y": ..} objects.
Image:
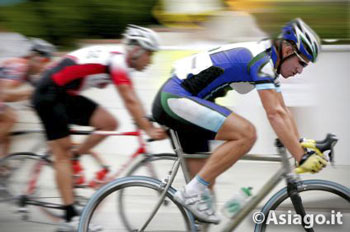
[{"x": 208, "y": 20}]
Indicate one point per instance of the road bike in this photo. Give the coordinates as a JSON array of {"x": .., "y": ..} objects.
[
  {"x": 27, "y": 178},
  {"x": 139, "y": 200}
]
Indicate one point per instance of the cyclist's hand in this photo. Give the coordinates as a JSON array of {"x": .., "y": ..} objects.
[
  {"x": 156, "y": 133},
  {"x": 311, "y": 161}
]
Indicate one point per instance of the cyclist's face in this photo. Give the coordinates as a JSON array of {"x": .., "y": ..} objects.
[
  {"x": 141, "y": 62},
  {"x": 294, "y": 65}
]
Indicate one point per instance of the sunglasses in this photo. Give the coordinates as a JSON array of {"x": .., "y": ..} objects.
[{"x": 302, "y": 61}]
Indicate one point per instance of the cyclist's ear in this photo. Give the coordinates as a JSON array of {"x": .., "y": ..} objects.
[{"x": 287, "y": 49}]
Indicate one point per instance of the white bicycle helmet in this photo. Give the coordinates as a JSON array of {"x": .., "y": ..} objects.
[
  {"x": 144, "y": 37},
  {"x": 303, "y": 37},
  {"x": 42, "y": 47}
]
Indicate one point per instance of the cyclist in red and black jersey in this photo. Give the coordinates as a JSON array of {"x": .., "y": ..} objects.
[{"x": 58, "y": 102}]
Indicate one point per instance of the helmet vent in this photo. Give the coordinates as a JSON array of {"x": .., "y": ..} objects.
[
  {"x": 307, "y": 36},
  {"x": 299, "y": 26}
]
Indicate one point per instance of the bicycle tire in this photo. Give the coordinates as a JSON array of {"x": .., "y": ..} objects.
[
  {"x": 139, "y": 186},
  {"x": 280, "y": 201},
  {"x": 10, "y": 166},
  {"x": 149, "y": 165},
  {"x": 142, "y": 167},
  {"x": 20, "y": 186}
]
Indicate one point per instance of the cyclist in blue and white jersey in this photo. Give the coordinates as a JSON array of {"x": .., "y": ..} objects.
[{"x": 186, "y": 102}]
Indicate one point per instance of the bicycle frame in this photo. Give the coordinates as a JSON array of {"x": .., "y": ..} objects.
[
  {"x": 32, "y": 184},
  {"x": 141, "y": 149},
  {"x": 284, "y": 172}
]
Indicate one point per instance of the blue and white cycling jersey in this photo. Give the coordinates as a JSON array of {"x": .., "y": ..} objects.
[
  {"x": 186, "y": 101},
  {"x": 240, "y": 66}
]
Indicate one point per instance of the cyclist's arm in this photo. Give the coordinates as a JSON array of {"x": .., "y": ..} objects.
[
  {"x": 291, "y": 116},
  {"x": 279, "y": 119},
  {"x": 12, "y": 91},
  {"x": 134, "y": 106}
]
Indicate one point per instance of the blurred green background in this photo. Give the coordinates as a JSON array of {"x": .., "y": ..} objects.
[
  {"x": 330, "y": 19},
  {"x": 64, "y": 21}
]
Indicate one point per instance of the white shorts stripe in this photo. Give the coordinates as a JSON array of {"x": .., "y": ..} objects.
[{"x": 196, "y": 113}]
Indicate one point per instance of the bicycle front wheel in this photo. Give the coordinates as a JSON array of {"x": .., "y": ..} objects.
[
  {"x": 20, "y": 174},
  {"x": 322, "y": 201},
  {"x": 26, "y": 180},
  {"x": 140, "y": 195},
  {"x": 157, "y": 166}
]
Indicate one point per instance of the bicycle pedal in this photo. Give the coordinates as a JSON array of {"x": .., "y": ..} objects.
[{"x": 84, "y": 185}]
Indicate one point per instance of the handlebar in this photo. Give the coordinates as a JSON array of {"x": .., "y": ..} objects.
[
  {"x": 325, "y": 145},
  {"x": 328, "y": 143},
  {"x": 320, "y": 147}
]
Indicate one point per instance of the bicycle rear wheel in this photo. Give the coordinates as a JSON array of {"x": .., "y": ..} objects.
[
  {"x": 321, "y": 199},
  {"x": 140, "y": 195}
]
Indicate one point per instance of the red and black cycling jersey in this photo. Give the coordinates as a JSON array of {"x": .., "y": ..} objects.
[{"x": 94, "y": 66}]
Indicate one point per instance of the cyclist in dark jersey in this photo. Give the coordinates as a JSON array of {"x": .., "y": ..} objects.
[
  {"x": 186, "y": 102},
  {"x": 58, "y": 102}
]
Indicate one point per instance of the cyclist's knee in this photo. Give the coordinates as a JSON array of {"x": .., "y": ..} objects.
[
  {"x": 237, "y": 129},
  {"x": 103, "y": 120},
  {"x": 61, "y": 148},
  {"x": 248, "y": 133}
]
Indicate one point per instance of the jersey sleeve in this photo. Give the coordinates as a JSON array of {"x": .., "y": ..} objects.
[
  {"x": 262, "y": 72},
  {"x": 119, "y": 71}
]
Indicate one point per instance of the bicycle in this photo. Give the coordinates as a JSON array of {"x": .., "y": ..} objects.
[
  {"x": 24, "y": 175},
  {"x": 149, "y": 193}
]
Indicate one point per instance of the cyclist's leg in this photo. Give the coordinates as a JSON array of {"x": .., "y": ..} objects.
[
  {"x": 201, "y": 119},
  {"x": 49, "y": 104},
  {"x": 8, "y": 118},
  {"x": 181, "y": 111},
  {"x": 239, "y": 135},
  {"x": 98, "y": 158},
  {"x": 186, "y": 113},
  {"x": 61, "y": 149},
  {"x": 95, "y": 116},
  {"x": 191, "y": 144}
]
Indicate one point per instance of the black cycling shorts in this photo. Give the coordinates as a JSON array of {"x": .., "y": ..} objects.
[
  {"x": 192, "y": 138},
  {"x": 57, "y": 109}
]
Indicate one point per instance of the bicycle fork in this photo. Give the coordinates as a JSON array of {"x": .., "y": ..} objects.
[{"x": 292, "y": 189}]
